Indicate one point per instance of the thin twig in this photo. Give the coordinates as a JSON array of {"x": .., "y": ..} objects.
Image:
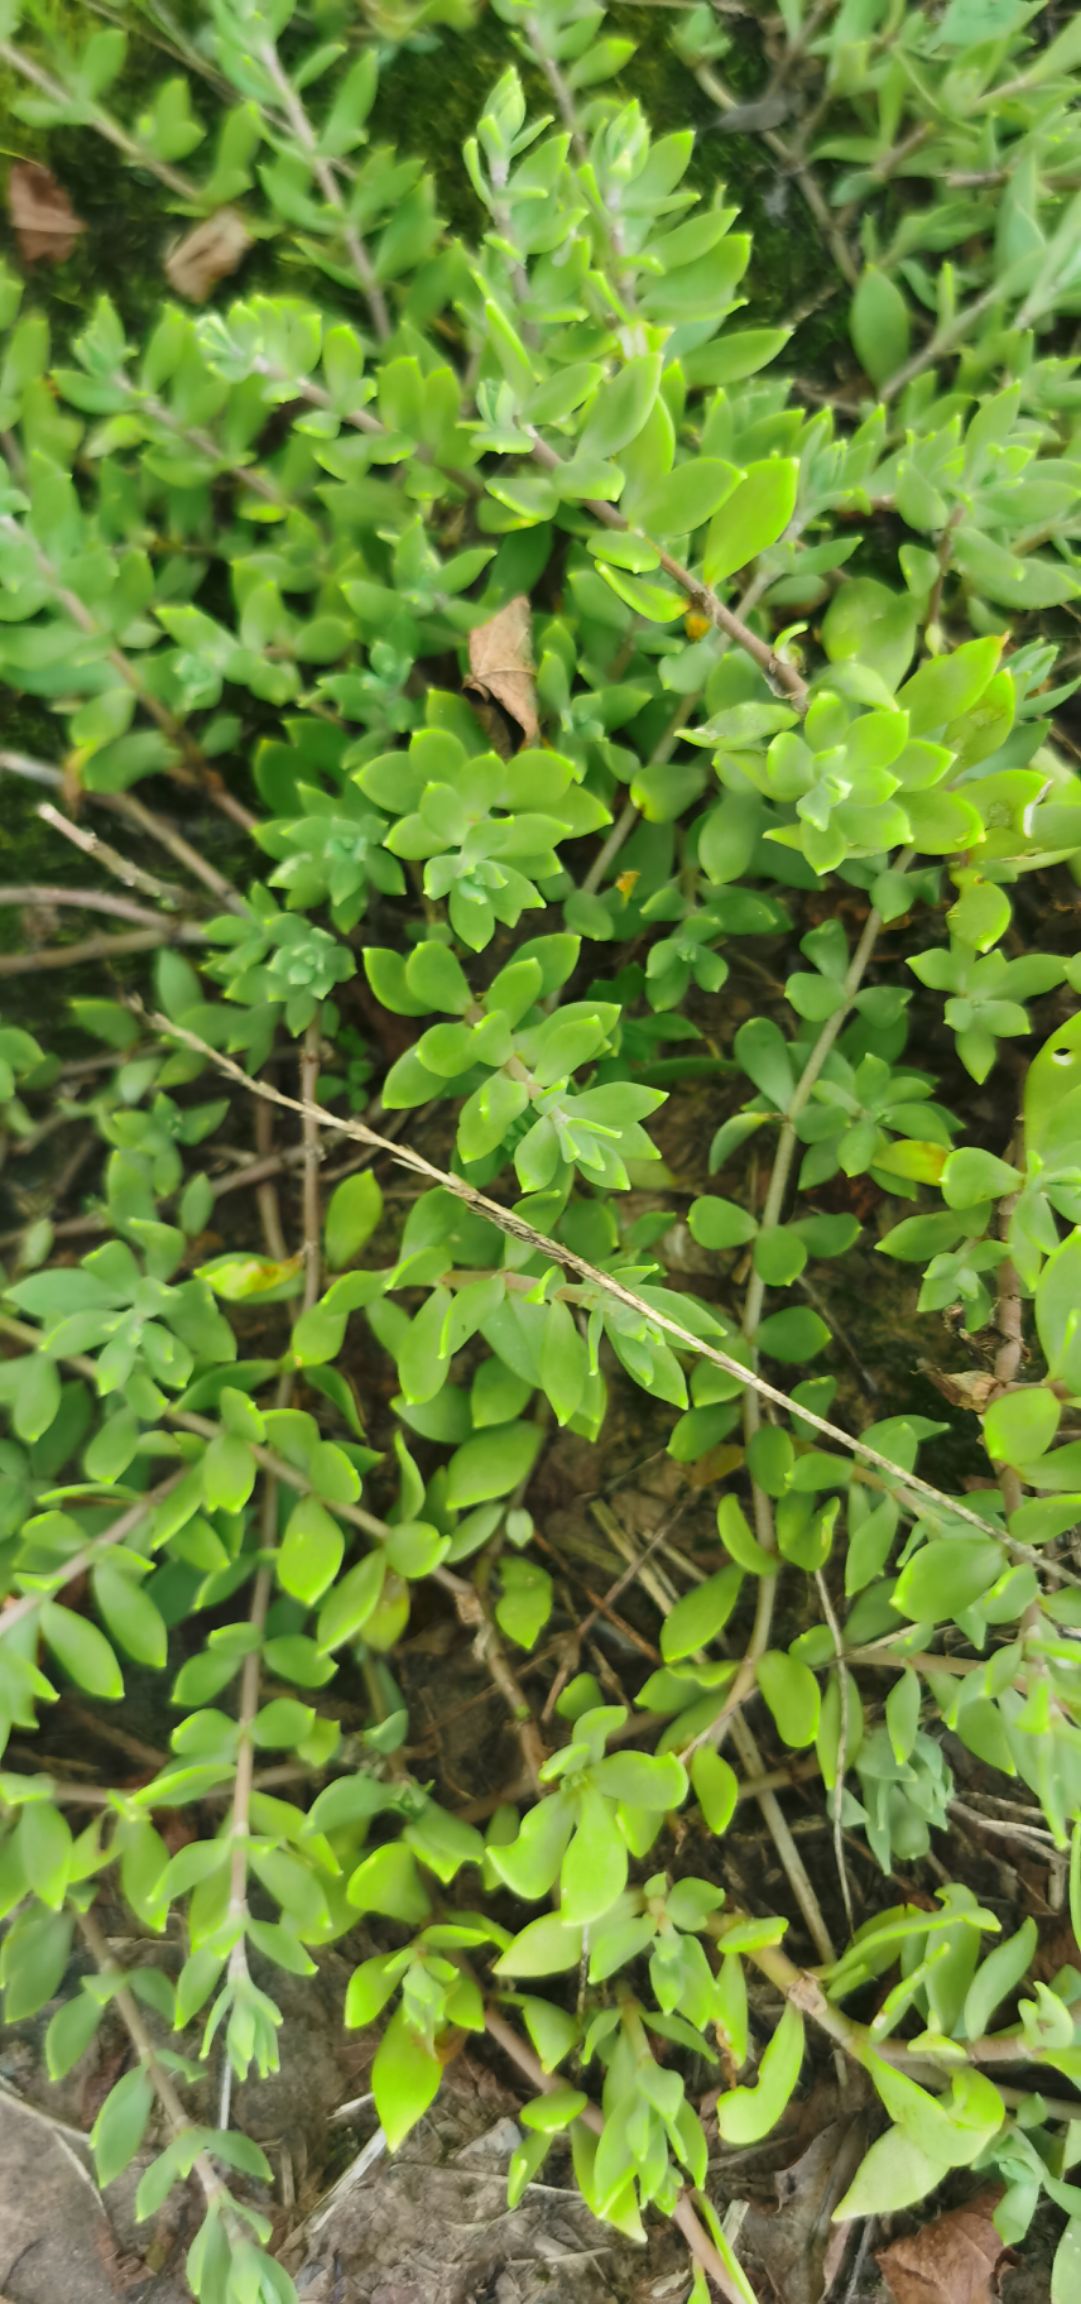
[
  {"x": 83, "y": 899},
  {"x": 100, "y": 948},
  {"x": 110, "y": 859},
  {"x": 138, "y": 815}
]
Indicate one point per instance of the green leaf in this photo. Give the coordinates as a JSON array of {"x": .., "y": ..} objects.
[
  {"x": 686, "y": 498},
  {"x": 791, "y": 1692},
  {"x": 389, "y": 1882},
  {"x": 406, "y": 2077},
  {"x": 754, "y": 517},
  {"x": 45, "y": 1850},
  {"x": 971, "y": 1176},
  {"x": 700, "y": 1615},
  {"x": 1066, "y": 2269},
  {"x": 594, "y": 1869},
  {"x": 622, "y": 406},
  {"x": 491, "y": 1464},
  {"x": 546, "y": 1947},
  {"x": 228, "y": 1473},
  {"x": 1058, "y": 1313},
  {"x": 547, "y": 2114},
  {"x": 349, "y": 1606},
  {"x": 716, "y": 1788},
  {"x": 525, "y": 1600},
  {"x": 310, "y": 1553},
  {"x": 869, "y": 624},
  {"x": 353, "y": 1211},
  {"x": 70, "y": 2032},
  {"x": 35, "y": 1955},
  {"x": 894, "y": 2173},
  {"x": 121, "y": 2124},
  {"x": 106, "y": 1020},
  {"x": 563, "y": 1362},
  {"x": 997, "y": 1977},
  {"x": 642, "y": 1779},
  {"x": 37, "y": 1400},
  {"x": 1022, "y": 1425},
  {"x": 134, "y": 1621},
  {"x": 747, "y": 2114},
  {"x": 82, "y": 1650},
  {"x": 795, "y": 1335},
  {"x": 879, "y": 325},
  {"x": 370, "y": 1987},
  {"x": 656, "y": 602},
  {"x": 949, "y": 1574},
  {"x": 718, "y": 1223}
]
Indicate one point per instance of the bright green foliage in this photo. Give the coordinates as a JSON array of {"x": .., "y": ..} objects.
[{"x": 767, "y": 800}]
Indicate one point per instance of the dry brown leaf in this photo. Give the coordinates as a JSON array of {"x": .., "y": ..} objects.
[
  {"x": 973, "y": 1388},
  {"x": 207, "y": 254},
  {"x": 501, "y": 664},
  {"x": 796, "y": 2244},
  {"x": 950, "y": 2261},
  {"x": 43, "y": 220}
]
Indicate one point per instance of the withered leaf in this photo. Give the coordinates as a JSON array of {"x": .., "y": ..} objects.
[
  {"x": 43, "y": 220},
  {"x": 950, "y": 2261},
  {"x": 973, "y": 1388},
  {"x": 797, "y": 2246},
  {"x": 501, "y": 664},
  {"x": 207, "y": 254}
]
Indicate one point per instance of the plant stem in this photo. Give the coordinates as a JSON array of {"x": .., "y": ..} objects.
[
  {"x": 84, "y": 900},
  {"x": 554, "y": 1251},
  {"x": 795, "y": 161},
  {"x": 1010, "y": 1323},
  {"x": 134, "y": 812},
  {"x": 110, "y": 859},
  {"x": 781, "y": 675},
  {"x": 943, "y": 341},
  {"x": 746, "y": 1678},
  {"x": 99, "y": 948},
  {"x": 215, "y": 2192},
  {"x": 15, "y": 1611},
  {"x": 328, "y": 185},
  {"x": 684, "y": 2215},
  {"x": 104, "y": 124},
  {"x": 313, "y": 1220}
]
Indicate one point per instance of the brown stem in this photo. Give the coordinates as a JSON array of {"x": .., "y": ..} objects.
[
  {"x": 99, "y": 948},
  {"x": 85, "y": 900}
]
